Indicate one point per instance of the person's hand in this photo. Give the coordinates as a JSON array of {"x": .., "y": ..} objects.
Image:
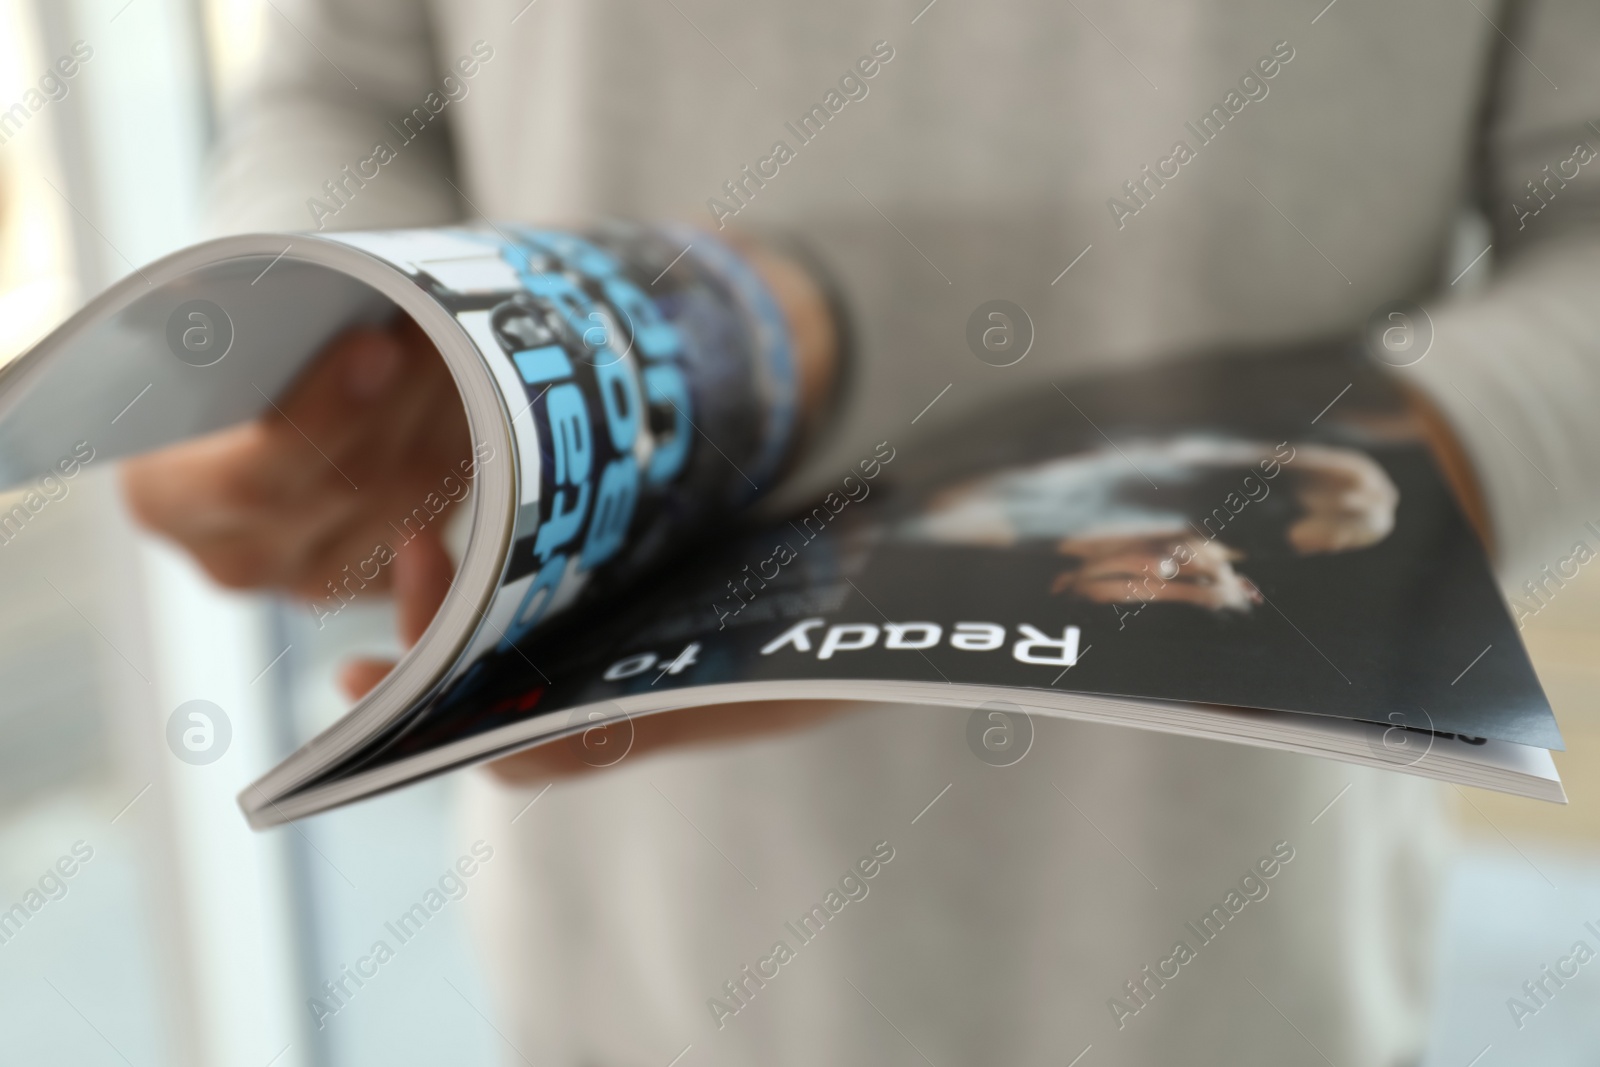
[
  {"x": 372, "y": 428},
  {"x": 1453, "y": 462},
  {"x": 611, "y": 744},
  {"x": 292, "y": 499}
]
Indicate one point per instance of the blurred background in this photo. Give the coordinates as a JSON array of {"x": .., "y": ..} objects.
[{"x": 186, "y": 939}]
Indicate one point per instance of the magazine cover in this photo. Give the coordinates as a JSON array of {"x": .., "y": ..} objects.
[
  {"x": 1216, "y": 533},
  {"x": 1257, "y": 547}
]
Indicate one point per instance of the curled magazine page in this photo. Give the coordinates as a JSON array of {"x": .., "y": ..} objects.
[
  {"x": 623, "y": 388},
  {"x": 649, "y": 384},
  {"x": 647, "y": 379},
  {"x": 1198, "y": 534}
]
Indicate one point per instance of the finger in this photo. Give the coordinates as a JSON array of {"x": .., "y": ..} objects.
[
  {"x": 667, "y": 731},
  {"x": 208, "y": 485},
  {"x": 244, "y": 549},
  {"x": 387, "y": 401},
  {"x": 362, "y": 549},
  {"x": 343, "y": 387},
  {"x": 400, "y": 447},
  {"x": 230, "y": 484},
  {"x": 358, "y": 555},
  {"x": 378, "y": 406},
  {"x": 423, "y": 574},
  {"x": 424, "y": 425},
  {"x": 199, "y": 506},
  {"x": 358, "y": 677},
  {"x": 257, "y": 505}
]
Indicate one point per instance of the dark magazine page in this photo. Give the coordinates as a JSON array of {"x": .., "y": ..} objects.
[{"x": 1259, "y": 531}]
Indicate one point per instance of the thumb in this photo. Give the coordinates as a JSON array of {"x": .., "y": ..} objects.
[
  {"x": 423, "y": 574},
  {"x": 358, "y": 677}
]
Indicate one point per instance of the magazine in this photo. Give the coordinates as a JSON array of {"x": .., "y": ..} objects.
[{"x": 1253, "y": 547}]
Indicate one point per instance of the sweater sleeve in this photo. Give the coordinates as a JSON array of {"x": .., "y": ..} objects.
[
  {"x": 1517, "y": 367},
  {"x": 340, "y": 84}
]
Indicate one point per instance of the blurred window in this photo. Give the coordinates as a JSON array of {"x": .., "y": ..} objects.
[{"x": 36, "y": 270}]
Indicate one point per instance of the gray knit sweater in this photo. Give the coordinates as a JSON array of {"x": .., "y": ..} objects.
[{"x": 1146, "y": 179}]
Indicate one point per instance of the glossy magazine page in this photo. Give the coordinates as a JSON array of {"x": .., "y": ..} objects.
[
  {"x": 646, "y": 378},
  {"x": 623, "y": 389},
  {"x": 642, "y": 407},
  {"x": 1256, "y": 531}
]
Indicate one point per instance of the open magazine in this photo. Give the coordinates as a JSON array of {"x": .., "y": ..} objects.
[{"x": 1248, "y": 547}]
